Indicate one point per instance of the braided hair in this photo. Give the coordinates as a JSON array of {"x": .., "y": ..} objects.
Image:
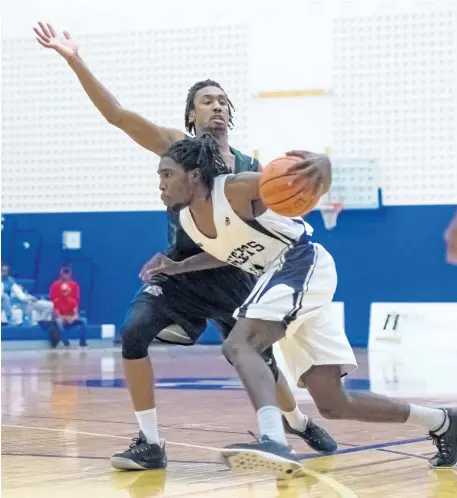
[
  {"x": 199, "y": 153},
  {"x": 190, "y": 105}
]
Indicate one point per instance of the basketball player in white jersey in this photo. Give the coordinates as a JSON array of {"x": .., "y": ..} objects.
[{"x": 290, "y": 303}]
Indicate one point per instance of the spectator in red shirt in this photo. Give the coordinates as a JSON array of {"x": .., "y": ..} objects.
[
  {"x": 65, "y": 277},
  {"x": 66, "y": 314}
]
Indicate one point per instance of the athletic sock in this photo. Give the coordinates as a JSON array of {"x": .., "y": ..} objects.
[
  {"x": 270, "y": 424},
  {"x": 147, "y": 419},
  {"x": 435, "y": 419},
  {"x": 296, "y": 419}
]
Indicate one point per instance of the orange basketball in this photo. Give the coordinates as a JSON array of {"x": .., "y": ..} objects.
[{"x": 276, "y": 194}]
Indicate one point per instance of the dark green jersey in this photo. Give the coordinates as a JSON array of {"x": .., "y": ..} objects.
[{"x": 181, "y": 245}]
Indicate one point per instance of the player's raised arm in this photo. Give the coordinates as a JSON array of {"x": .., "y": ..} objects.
[{"x": 147, "y": 134}]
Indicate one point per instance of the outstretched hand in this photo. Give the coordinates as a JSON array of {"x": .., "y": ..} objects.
[{"x": 47, "y": 37}]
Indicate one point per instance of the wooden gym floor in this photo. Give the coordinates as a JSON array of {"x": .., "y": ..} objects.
[{"x": 65, "y": 412}]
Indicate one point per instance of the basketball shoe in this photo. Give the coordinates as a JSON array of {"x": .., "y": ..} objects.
[
  {"x": 141, "y": 455},
  {"x": 314, "y": 436},
  {"x": 446, "y": 444}
]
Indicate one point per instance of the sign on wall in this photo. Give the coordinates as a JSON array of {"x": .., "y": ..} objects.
[{"x": 407, "y": 326}]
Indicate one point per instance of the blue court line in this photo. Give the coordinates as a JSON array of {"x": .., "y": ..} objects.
[
  {"x": 302, "y": 456},
  {"x": 357, "y": 465},
  {"x": 196, "y": 429},
  {"x": 357, "y": 449},
  {"x": 86, "y": 457}
]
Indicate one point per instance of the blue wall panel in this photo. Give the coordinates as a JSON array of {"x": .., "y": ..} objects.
[
  {"x": 116, "y": 243},
  {"x": 393, "y": 254}
]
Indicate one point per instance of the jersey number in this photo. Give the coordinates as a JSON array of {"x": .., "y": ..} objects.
[{"x": 241, "y": 254}]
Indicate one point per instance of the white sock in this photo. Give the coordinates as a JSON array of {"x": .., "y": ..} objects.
[
  {"x": 435, "y": 419},
  {"x": 147, "y": 419},
  {"x": 296, "y": 419},
  {"x": 270, "y": 424}
]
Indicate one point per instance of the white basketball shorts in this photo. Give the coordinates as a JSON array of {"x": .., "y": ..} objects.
[{"x": 298, "y": 292}]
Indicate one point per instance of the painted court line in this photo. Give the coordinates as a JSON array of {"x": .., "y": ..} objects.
[
  {"x": 340, "y": 488},
  {"x": 200, "y": 428},
  {"x": 49, "y": 429},
  {"x": 368, "y": 447},
  {"x": 163, "y": 426},
  {"x": 302, "y": 456},
  {"x": 87, "y": 457}
]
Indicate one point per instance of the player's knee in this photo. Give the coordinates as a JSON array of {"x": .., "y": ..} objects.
[
  {"x": 232, "y": 349},
  {"x": 134, "y": 340},
  {"x": 227, "y": 349},
  {"x": 332, "y": 408},
  {"x": 331, "y": 412}
]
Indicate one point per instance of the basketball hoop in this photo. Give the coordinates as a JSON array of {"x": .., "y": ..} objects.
[{"x": 330, "y": 212}]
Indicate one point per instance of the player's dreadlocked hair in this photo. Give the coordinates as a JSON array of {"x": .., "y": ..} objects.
[
  {"x": 202, "y": 153},
  {"x": 190, "y": 106}
]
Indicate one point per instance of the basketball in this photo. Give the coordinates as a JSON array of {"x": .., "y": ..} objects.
[{"x": 277, "y": 195}]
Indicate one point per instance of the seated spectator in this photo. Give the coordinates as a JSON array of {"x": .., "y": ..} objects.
[
  {"x": 13, "y": 297},
  {"x": 66, "y": 314},
  {"x": 33, "y": 310},
  {"x": 65, "y": 277},
  {"x": 6, "y": 307}
]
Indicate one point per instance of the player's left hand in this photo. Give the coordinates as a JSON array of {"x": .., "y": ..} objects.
[
  {"x": 450, "y": 237},
  {"x": 317, "y": 168},
  {"x": 159, "y": 264}
]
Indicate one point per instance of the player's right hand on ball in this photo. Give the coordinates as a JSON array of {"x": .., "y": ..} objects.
[{"x": 48, "y": 37}]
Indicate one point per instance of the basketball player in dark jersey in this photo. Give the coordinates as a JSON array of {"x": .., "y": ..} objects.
[{"x": 185, "y": 286}]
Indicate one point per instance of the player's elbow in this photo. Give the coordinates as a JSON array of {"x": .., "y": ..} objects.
[{"x": 115, "y": 116}]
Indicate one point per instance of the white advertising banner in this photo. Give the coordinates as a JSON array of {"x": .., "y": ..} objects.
[
  {"x": 413, "y": 326},
  {"x": 402, "y": 373},
  {"x": 412, "y": 349}
]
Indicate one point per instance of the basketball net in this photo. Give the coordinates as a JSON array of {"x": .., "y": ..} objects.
[{"x": 330, "y": 212}]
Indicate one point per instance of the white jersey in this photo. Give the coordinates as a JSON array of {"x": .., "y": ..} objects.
[{"x": 254, "y": 245}]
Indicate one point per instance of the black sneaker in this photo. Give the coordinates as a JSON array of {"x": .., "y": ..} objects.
[
  {"x": 264, "y": 455},
  {"x": 316, "y": 437},
  {"x": 141, "y": 455},
  {"x": 446, "y": 444}
]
